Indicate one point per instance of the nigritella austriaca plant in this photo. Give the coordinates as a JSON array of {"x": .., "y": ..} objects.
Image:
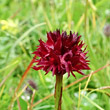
[{"x": 61, "y": 54}]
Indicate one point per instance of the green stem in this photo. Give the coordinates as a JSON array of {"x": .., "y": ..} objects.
[{"x": 58, "y": 91}]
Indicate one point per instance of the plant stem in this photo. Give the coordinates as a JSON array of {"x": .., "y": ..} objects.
[{"x": 58, "y": 91}]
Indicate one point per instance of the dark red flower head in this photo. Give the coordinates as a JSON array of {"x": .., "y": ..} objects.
[{"x": 61, "y": 53}]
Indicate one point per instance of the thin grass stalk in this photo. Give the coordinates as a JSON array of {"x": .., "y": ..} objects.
[
  {"x": 19, "y": 106},
  {"x": 79, "y": 99},
  {"x": 33, "y": 95},
  {"x": 86, "y": 9}
]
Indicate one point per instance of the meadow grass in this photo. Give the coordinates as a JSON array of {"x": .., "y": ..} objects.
[{"x": 23, "y": 23}]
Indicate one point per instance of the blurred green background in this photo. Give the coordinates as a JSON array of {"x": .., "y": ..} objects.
[{"x": 24, "y": 22}]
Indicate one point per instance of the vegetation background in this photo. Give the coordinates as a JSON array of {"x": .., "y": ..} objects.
[{"x": 23, "y": 22}]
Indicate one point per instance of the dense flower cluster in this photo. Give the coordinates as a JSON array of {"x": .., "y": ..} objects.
[{"x": 61, "y": 53}]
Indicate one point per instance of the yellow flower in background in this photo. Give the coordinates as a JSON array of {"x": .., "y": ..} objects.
[
  {"x": 9, "y": 25},
  {"x": 4, "y": 24}
]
